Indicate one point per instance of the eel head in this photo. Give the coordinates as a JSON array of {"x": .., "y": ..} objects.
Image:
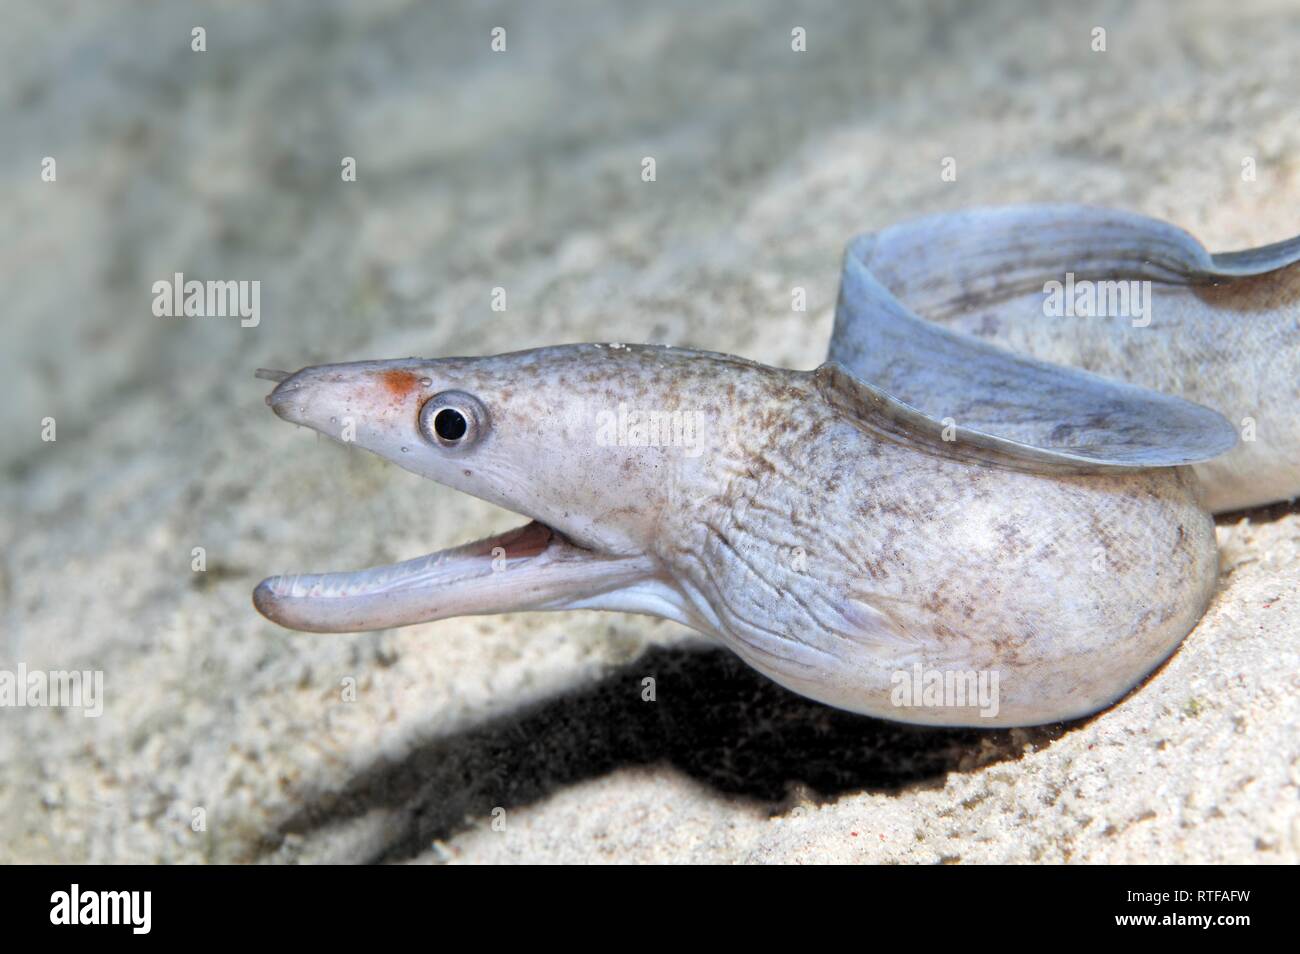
[{"x": 518, "y": 430}]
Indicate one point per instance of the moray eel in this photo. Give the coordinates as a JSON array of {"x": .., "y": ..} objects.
[
  {"x": 1023, "y": 558},
  {"x": 1121, "y": 295}
]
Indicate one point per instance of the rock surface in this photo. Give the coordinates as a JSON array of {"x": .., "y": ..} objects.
[{"x": 523, "y": 170}]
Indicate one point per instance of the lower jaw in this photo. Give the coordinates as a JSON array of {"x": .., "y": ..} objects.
[{"x": 530, "y": 567}]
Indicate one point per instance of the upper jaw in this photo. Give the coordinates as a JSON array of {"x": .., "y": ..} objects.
[{"x": 318, "y": 395}]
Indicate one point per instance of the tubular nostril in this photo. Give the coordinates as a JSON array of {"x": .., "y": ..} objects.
[
  {"x": 285, "y": 385},
  {"x": 281, "y": 399}
]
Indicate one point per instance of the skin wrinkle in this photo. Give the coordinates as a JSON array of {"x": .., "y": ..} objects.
[
  {"x": 741, "y": 503},
  {"x": 780, "y": 593},
  {"x": 719, "y": 598}
]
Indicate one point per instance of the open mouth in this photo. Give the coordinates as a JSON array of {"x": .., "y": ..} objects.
[
  {"x": 532, "y": 567},
  {"x": 525, "y": 568}
]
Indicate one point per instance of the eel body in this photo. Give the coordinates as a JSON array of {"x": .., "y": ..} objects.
[
  {"x": 976, "y": 512},
  {"x": 850, "y": 548}
]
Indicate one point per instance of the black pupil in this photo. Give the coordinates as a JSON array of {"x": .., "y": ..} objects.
[{"x": 450, "y": 424}]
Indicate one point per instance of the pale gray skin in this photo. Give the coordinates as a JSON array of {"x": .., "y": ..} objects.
[
  {"x": 1223, "y": 330},
  {"x": 830, "y": 535}
]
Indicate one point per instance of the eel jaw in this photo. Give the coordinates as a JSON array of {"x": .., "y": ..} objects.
[{"x": 529, "y": 568}]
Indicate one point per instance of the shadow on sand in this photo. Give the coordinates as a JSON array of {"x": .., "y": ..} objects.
[{"x": 715, "y": 719}]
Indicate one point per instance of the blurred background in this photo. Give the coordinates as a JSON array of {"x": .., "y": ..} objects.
[{"x": 522, "y": 169}]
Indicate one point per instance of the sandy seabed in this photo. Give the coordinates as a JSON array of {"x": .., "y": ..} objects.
[{"x": 523, "y": 171}]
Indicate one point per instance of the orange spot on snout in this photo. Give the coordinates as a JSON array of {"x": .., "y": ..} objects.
[{"x": 398, "y": 384}]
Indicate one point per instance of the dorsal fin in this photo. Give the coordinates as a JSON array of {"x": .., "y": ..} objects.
[
  {"x": 1122, "y": 436},
  {"x": 1020, "y": 410},
  {"x": 957, "y": 261}
]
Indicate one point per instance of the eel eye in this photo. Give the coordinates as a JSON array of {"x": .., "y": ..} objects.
[{"x": 453, "y": 419}]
